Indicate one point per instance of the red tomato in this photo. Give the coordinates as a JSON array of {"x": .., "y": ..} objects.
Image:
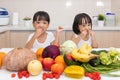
[
  {"x": 20, "y": 75},
  {"x": 93, "y": 75},
  {"x": 13, "y": 75}
]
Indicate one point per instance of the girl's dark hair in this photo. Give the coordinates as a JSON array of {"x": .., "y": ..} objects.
[
  {"x": 78, "y": 21},
  {"x": 41, "y": 15}
]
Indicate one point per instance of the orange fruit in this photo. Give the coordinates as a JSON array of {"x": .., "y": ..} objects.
[
  {"x": 57, "y": 68},
  {"x": 40, "y": 59},
  {"x": 0, "y": 62},
  {"x": 60, "y": 59},
  {"x": 39, "y": 52},
  {"x": 2, "y": 55}
]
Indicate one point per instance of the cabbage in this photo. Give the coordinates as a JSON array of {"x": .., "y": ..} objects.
[{"x": 67, "y": 46}]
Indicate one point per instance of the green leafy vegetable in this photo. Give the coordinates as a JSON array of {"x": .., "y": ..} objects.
[
  {"x": 67, "y": 46},
  {"x": 105, "y": 58}
]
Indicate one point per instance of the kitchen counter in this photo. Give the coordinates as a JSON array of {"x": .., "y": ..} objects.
[
  {"x": 6, "y": 75},
  {"x": 10, "y": 27}
]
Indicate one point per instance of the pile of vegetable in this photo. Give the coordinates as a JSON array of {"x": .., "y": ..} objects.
[
  {"x": 101, "y": 61},
  {"x": 74, "y": 62},
  {"x": 108, "y": 61}
]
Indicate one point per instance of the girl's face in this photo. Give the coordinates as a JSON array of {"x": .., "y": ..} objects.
[
  {"x": 42, "y": 24},
  {"x": 84, "y": 26}
]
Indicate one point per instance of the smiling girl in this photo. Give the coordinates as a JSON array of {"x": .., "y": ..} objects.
[
  {"x": 41, "y": 37},
  {"x": 82, "y": 27}
]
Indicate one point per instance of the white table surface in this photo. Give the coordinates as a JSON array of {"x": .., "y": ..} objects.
[{"x": 6, "y": 75}]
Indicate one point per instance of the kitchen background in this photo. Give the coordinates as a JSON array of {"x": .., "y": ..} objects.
[{"x": 61, "y": 12}]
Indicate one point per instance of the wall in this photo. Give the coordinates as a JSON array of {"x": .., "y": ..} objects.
[
  {"x": 60, "y": 14},
  {"x": 115, "y": 7}
]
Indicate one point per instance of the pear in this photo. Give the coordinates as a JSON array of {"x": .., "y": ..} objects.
[{"x": 34, "y": 67}]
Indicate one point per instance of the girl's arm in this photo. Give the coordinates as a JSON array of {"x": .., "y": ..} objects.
[
  {"x": 74, "y": 39},
  {"x": 77, "y": 38},
  {"x": 30, "y": 43},
  {"x": 57, "y": 36},
  {"x": 32, "y": 40},
  {"x": 94, "y": 41}
]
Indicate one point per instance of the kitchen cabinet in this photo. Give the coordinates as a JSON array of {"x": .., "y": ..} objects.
[
  {"x": 4, "y": 39},
  {"x": 68, "y": 34},
  {"x": 18, "y": 38},
  {"x": 104, "y": 38},
  {"x": 108, "y": 39},
  {"x": 62, "y": 35}
]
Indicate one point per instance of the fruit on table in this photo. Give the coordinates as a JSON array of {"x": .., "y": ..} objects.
[
  {"x": 40, "y": 59},
  {"x": 0, "y": 63},
  {"x": 47, "y": 63},
  {"x": 74, "y": 71},
  {"x": 2, "y": 55},
  {"x": 22, "y": 74},
  {"x": 59, "y": 59},
  {"x": 39, "y": 52},
  {"x": 70, "y": 61},
  {"x": 34, "y": 67},
  {"x": 93, "y": 75},
  {"x": 85, "y": 49},
  {"x": 50, "y": 75},
  {"x": 82, "y": 57},
  {"x": 51, "y": 51},
  {"x": 13, "y": 75},
  {"x": 57, "y": 68}
]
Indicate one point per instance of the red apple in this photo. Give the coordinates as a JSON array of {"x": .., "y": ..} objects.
[{"x": 47, "y": 63}]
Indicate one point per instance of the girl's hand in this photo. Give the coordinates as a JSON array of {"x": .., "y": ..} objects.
[
  {"x": 59, "y": 29},
  {"x": 83, "y": 33},
  {"x": 38, "y": 32},
  {"x": 91, "y": 33}
]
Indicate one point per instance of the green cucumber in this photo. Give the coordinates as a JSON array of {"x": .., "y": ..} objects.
[{"x": 71, "y": 62}]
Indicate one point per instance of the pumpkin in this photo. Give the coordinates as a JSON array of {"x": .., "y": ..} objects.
[{"x": 18, "y": 59}]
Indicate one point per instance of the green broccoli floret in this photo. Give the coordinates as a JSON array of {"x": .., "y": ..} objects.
[
  {"x": 105, "y": 58},
  {"x": 114, "y": 54}
]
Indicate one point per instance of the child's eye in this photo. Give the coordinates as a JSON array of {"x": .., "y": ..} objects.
[
  {"x": 37, "y": 22},
  {"x": 44, "y": 23},
  {"x": 89, "y": 24},
  {"x": 83, "y": 25}
]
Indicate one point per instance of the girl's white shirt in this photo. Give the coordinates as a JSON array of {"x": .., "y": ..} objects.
[
  {"x": 50, "y": 38},
  {"x": 81, "y": 42}
]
